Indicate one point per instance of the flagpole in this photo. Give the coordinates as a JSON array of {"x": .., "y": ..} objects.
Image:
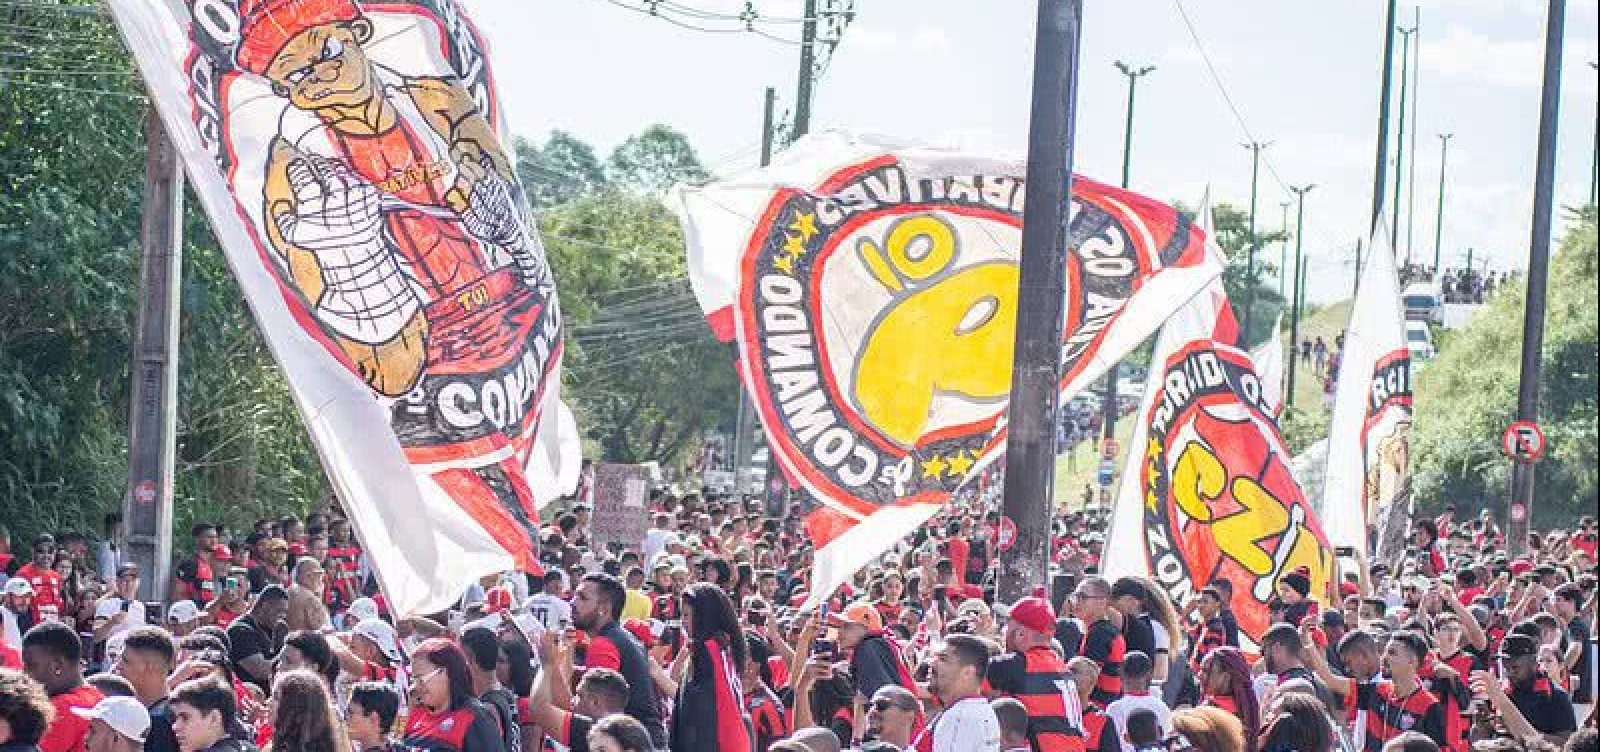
[{"x": 1036, "y": 374}]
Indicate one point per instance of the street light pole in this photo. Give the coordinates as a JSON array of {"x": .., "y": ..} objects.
[
  {"x": 1380, "y": 167},
  {"x": 1400, "y": 138},
  {"x": 1109, "y": 409},
  {"x": 1299, "y": 266},
  {"x": 1521, "y": 511},
  {"x": 1438, "y": 221},
  {"x": 1416, "y": 126},
  {"x": 1255, "y": 148},
  {"x": 1283, "y": 247},
  {"x": 1042, "y": 291}
]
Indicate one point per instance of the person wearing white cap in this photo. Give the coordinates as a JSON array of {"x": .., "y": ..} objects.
[
  {"x": 116, "y": 724},
  {"x": 372, "y": 653},
  {"x": 183, "y": 617},
  {"x": 121, "y": 610},
  {"x": 16, "y": 611}
]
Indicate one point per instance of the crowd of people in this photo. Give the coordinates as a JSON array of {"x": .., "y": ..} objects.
[{"x": 699, "y": 638}]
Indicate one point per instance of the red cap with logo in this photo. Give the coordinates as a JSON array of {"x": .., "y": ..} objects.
[{"x": 1034, "y": 613}]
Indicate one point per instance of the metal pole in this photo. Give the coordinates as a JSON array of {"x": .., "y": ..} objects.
[
  {"x": 1438, "y": 220},
  {"x": 153, "y": 417},
  {"x": 1036, "y": 373},
  {"x": 1299, "y": 273},
  {"x": 1538, "y": 264},
  {"x": 1416, "y": 126},
  {"x": 1594, "y": 168},
  {"x": 1400, "y": 139},
  {"x": 1355, "y": 284},
  {"x": 1255, "y": 148},
  {"x": 1380, "y": 168},
  {"x": 1108, "y": 410},
  {"x": 744, "y": 423},
  {"x": 1283, "y": 247},
  {"x": 802, "y": 96}
]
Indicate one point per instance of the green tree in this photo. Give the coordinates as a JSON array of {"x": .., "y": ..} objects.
[
  {"x": 1231, "y": 230},
  {"x": 655, "y": 159},
  {"x": 1468, "y": 395},
  {"x": 560, "y": 171}
]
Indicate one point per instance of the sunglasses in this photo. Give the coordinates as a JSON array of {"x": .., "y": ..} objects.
[
  {"x": 884, "y": 705},
  {"x": 423, "y": 679}
]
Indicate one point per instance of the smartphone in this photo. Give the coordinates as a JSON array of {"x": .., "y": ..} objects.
[
  {"x": 824, "y": 649},
  {"x": 756, "y": 618}
]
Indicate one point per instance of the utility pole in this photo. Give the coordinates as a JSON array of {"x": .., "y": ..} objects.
[
  {"x": 1283, "y": 247},
  {"x": 1594, "y": 167},
  {"x": 1355, "y": 284},
  {"x": 1299, "y": 273},
  {"x": 1438, "y": 220},
  {"x": 1109, "y": 408},
  {"x": 1046, "y": 232},
  {"x": 1400, "y": 139},
  {"x": 1255, "y": 148},
  {"x": 153, "y": 416},
  {"x": 808, "y": 62},
  {"x": 744, "y": 420},
  {"x": 1538, "y": 269},
  {"x": 1416, "y": 126},
  {"x": 1380, "y": 168}
]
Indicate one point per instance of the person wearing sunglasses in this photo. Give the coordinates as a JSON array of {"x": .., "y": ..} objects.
[
  {"x": 892, "y": 715},
  {"x": 445, "y": 715}
]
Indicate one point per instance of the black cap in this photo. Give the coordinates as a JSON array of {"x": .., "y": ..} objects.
[
  {"x": 1332, "y": 618},
  {"x": 1517, "y": 645}
]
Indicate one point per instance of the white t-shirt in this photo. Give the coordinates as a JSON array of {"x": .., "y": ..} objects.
[
  {"x": 112, "y": 605},
  {"x": 655, "y": 541},
  {"x": 967, "y": 726},
  {"x": 551, "y": 611},
  {"x": 1124, "y": 706}
]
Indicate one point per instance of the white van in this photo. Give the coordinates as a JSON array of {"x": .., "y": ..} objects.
[
  {"x": 1423, "y": 303},
  {"x": 1419, "y": 340}
]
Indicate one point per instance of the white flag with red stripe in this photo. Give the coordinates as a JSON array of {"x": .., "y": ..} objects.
[
  {"x": 354, "y": 162},
  {"x": 870, "y": 288}
]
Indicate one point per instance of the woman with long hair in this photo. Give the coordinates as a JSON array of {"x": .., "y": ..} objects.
[
  {"x": 303, "y": 719},
  {"x": 1147, "y": 607},
  {"x": 708, "y": 714},
  {"x": 1210, "y": 729},
  {"x": 445, "y": 715},
  {"x": 1297, "y": 723},
  {"x": 1225, "y": 684}
]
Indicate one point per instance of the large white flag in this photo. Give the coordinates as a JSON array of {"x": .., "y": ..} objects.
[
  {"x": 1268, "y": 357},
  {"x": 1207, "y": 491},
  {"x": 870, "y": 287},
  {"x": 354, "y": 162},
  {"x": 1368, "y": 481}
]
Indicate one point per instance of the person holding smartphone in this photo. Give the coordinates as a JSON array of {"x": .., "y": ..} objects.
[{"x": 121, "y": 610}]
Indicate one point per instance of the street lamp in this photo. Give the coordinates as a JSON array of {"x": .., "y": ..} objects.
[
  {"x": 1438, "y": 221},
  {"x": 1134, "y": 74},
  {"x": 1255, "y": 148},
  {"x": 1299, "y": 288}
]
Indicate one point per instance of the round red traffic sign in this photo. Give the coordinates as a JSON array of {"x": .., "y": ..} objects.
[
  {"x": 1519, "y": 512},
  {"x": 145, "y": 492},
  {"x": 1523, "y": 441},
  {"x": 1006, "y": 537}
]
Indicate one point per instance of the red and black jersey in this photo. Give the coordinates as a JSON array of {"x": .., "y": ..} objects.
[
  {"x": 1099, "y": 732},
  {"x": 1389, "y": 716},
  {"x": 343, "y": 565},
  {"x": 768, "y": 718},
  {"x": 710, "y": 713},
  {"x": 1454, "y": 696},
  {"x": 466, "y": 728},
  {"x": 665, "y": 607},
  {"x": 1040, "y": 681},
  {"x": 1205, "y": 638},
  {"x": 571, "y": 736},
  {"x": 1105, "y": 645}
]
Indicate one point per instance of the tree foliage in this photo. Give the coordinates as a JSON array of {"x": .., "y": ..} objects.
[
  {"x": 1231, "y": 230},
  {"x": 1467, "y": 397},
  {"x": 71, "y": 169}
]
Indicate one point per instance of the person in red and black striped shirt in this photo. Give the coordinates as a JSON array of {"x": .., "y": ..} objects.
[{"x": 1395, "y": 706}]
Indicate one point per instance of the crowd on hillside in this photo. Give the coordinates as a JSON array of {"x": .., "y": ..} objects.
[{"x": 694, "y": 640}]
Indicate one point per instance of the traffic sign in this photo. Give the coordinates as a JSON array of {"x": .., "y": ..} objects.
[
  {"x": 1109, "y": 448},
  {"x": 1007, "y": 536},
  {"x": 1519, "y": 512},
  {"x": 1108, "y": 470},
  {"x": 1523, "y": 441}
]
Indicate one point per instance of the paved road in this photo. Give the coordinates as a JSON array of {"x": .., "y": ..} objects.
[{"x": 1456, "y": 315}]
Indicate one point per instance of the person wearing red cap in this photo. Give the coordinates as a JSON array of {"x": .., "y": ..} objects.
[{"x": 1034, "y": 674}]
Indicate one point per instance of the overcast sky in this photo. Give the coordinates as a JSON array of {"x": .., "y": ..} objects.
[{"x": 1303, "y": 75}]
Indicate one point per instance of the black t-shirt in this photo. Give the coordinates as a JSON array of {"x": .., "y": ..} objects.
[
  {"x": 1578, "y": 634},
  {"x": 874, "y": 666},
  {"x": 1070, "y": 636},
  {"x": 1230, "y": 626},
  {"x": 1545, "y": 706},
  {"x": 247, "y": 638},
  {"x": 160, "y": 737},
  {"x": 502, "y": 704},
  {"x": 1140, "y": 635}
]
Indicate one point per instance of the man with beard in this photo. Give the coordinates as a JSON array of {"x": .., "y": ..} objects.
[
  {"x": 596, "y": 608},
  {"x": 955, "y": 676},
  {"x": 1395, "y": 706},
  {"x": 1280, "y": 648},
  {"x": 1526, "y": 701}
]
